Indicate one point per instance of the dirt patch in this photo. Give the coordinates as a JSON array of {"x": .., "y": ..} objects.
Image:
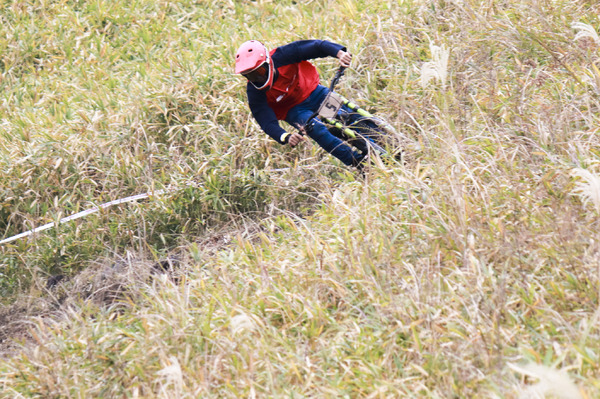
[
  {"x": 103, "y": 283},
  {"x": 14, "y": 326}
]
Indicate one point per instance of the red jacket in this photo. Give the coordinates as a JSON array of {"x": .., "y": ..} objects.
[{"x": 294, "y": 85}]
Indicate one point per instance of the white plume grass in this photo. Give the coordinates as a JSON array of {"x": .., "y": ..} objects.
[
  {"x": 242, "y": 322},
  {"x": 585, "y": 30},
  {"x": 551, "y": 383},
  {"x": 588, "y": 188},
  {"x": 171, "y": 375},
  {"x": 437, "y": 68}
]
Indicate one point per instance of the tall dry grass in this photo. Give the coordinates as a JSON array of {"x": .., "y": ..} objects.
[{"x": 472, "y": 271}]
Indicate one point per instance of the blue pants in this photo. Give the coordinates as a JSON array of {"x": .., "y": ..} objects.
[{"x": 298, "y": 115}]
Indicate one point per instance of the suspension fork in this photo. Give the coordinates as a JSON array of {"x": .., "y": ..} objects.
[
  {"x": 349, "y": 132},
  {"x": 337, "y": 124},
  {"x": 365, "y": 113},
  {"x": 356, "y": 108}
]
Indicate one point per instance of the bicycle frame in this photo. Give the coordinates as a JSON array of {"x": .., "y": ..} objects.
[
  {"x": 334, "y": 81},
  {"x": 355, "y": 108},
  {"x": 352, "y": 135}
]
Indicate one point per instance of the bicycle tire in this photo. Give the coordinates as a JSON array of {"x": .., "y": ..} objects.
[
  {"x": 360, "y": 142},
  {"x": 373, "y": 133}
]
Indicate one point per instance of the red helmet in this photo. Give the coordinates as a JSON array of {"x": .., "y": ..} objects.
[{"x": 253, "y": 61}]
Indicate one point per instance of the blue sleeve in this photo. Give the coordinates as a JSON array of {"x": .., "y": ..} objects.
[
  {"x": 303, "y": 50},
  {"x": 264, "y": 115}
]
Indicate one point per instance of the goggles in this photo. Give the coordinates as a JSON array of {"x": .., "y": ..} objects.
[{"x": 259, "y": 75}]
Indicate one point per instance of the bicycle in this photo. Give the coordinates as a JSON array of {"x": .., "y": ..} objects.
[{"x": 354, "y": 125}]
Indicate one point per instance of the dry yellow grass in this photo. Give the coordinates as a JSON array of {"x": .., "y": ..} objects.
[{"x": 472, "y": 271}]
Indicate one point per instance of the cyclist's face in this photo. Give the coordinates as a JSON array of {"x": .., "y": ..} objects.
[{"x": 259, "y": 75}]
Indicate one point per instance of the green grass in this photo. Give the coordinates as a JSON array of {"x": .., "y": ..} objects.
[{"x": 471, "y": 271}]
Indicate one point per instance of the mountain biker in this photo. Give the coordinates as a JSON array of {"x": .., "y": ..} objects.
[{"x": 284, "y": 85}]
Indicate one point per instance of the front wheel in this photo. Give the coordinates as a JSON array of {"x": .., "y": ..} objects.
[{"x": 373, "y": 133}]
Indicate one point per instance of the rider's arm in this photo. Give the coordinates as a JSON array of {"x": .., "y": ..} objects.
[
  {"x": 265, "y": 116},
  {"x": 303, "y": 50}
]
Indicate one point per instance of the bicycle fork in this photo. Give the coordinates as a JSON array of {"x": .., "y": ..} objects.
[{"x": 349, "y": 132}]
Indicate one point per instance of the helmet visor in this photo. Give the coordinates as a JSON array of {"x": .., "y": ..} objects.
[{"x": 258, "y": 76}]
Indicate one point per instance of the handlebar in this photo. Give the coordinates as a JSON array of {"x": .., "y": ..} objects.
[{"x": 336, "y": 78}]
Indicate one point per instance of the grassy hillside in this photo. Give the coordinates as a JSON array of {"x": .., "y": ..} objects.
[{"x": 265, "y": 271}]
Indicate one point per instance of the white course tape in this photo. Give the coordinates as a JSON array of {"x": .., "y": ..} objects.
[{"x": 85, "y": 213}]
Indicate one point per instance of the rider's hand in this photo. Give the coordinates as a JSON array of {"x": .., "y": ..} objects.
[
  {"x": 345, "y": 58},
  {"x": 295, "y": 139}
]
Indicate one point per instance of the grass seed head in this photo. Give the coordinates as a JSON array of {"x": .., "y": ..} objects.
[
  {"x": 588, "y": 188},
  {"x": 437, "y": 68},
  {"x": 585, "y": 31}
]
